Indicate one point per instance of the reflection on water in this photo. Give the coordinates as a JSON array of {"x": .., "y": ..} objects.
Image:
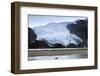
[{"x": 58, "y": 57}]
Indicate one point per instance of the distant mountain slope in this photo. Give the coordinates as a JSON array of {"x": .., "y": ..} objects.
[{"x": 80, "y": 29}]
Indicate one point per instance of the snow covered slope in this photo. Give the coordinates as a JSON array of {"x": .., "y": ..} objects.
[{"x": 56, "y": 33}]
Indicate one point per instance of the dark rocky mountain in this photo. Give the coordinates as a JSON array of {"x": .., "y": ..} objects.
[
  {"x": 31, "y": 37},
  {"x": 80, "y": 28}
]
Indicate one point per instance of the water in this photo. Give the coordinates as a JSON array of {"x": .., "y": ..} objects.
[{"x": 58, "y": 57}]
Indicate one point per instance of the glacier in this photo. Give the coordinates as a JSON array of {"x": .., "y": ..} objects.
[{"x": 54, "y": 33}]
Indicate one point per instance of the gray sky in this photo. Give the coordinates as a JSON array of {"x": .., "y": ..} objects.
[{"x": 40, "y": 20}]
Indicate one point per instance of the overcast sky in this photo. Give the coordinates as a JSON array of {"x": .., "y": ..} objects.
[{"x": 40, "y": 20}]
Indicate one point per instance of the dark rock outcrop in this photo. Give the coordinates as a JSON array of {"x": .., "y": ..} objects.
[
  {"x": 71, "y": 46},
  {"x": 39, "y": 44},
  {"x": 80, "y": 28},
  {"x": 58, "y": 45},
  {"x": 33, "y": 43},
  {"x": 31, "y": 37}
]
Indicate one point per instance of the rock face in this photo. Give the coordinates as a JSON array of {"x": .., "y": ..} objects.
[
  {"x": 71, "y": 46},
  {"x": 80, "y": 28},
  {"x": 39, "y": 44},
  {"x": 59, "y": 35},
  {"x": 33, "y": 43},
  {"x": 31, "y": 37}
]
